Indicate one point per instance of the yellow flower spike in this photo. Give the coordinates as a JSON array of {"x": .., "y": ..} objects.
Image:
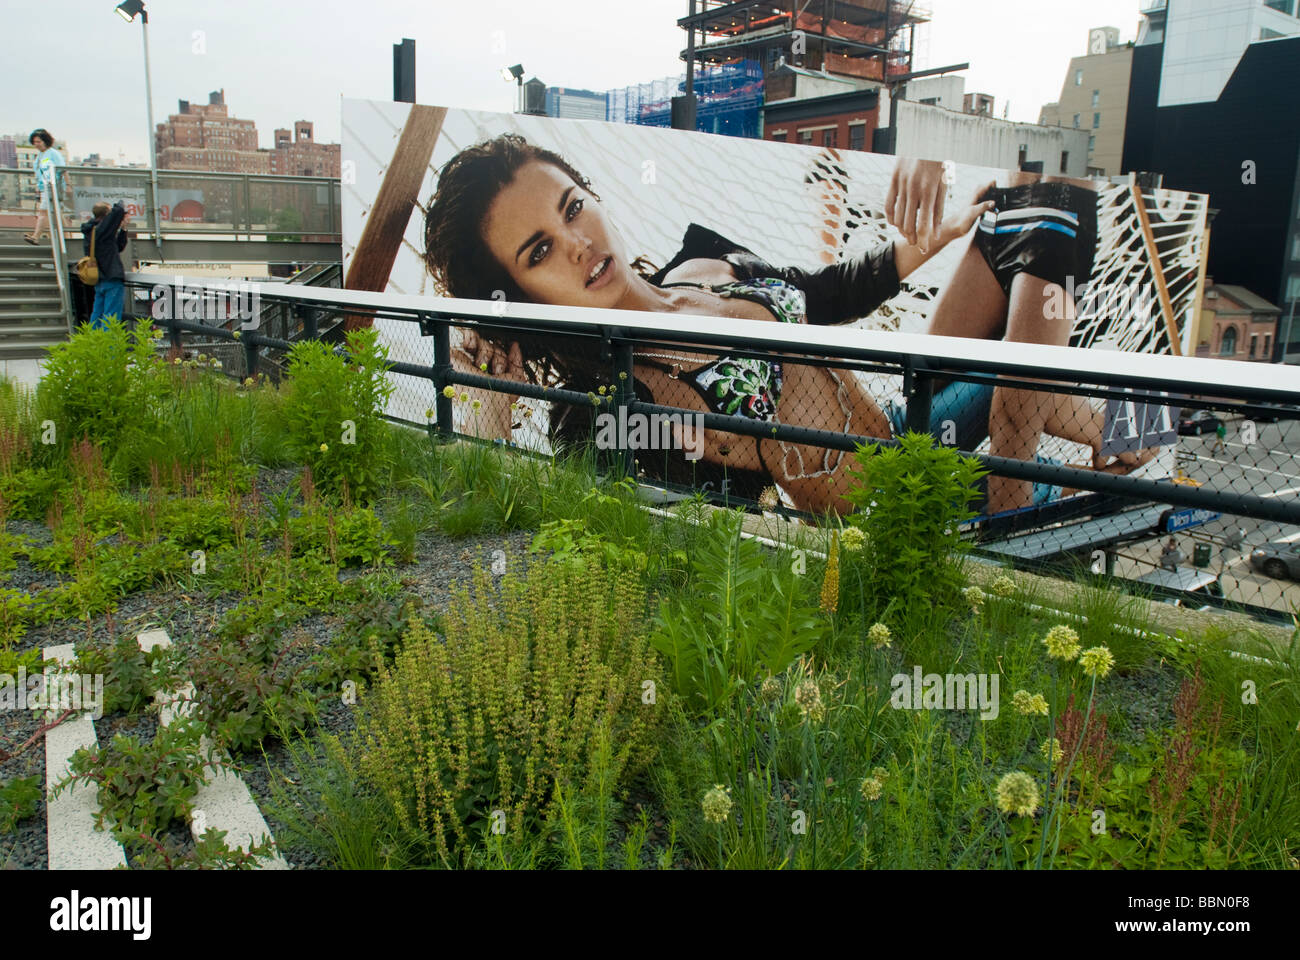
[
  {"x": 449, "y": 392},
  {"x": 463, "y": 397},
  {"x": 830, "y": 596},
  {"x": 476, "y": 405}
]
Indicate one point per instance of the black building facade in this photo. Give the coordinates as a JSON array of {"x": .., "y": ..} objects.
[{"x": 1244, "y": 151}]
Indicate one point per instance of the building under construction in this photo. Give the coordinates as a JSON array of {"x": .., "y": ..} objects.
[{"x": 865, "y": 40}]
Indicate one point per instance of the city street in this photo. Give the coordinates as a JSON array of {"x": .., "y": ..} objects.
[{"x": 1269, "y": 467}]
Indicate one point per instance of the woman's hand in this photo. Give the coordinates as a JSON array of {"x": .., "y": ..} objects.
[
  {"x": 489, "y": 358},
  {"x": 959, "y": 223},
  {"x": 914, "y": 204}
]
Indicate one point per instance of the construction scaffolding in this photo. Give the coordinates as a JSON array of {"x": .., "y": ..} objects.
[
  {"x": 729, "y": 100},
  {"x": 863, "y": 39}
]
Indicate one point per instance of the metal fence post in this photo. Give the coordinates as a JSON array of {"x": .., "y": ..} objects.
[
  {"x": 250, "y": 353},
  {"x": 441, "y": 369},
  {"x": 918, "y": 387},
  {"x": 624, "y": 396}
]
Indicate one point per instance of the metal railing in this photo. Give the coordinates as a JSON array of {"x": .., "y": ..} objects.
[
  {"x": 192, "y": 202},
  {"x": 1111, "y": 523},
  {"x": 59, "y": 248}
]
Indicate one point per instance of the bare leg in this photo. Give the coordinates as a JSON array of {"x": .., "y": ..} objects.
[
  {"x": 972, "y": 303},
  {"x": 1018, "y": 417},
  {"x": 42, "y": 223}
]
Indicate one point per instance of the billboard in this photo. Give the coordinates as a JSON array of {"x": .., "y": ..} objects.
[
  {"x": 175, "y": 206},
  {"x": 511, "y": 208}
]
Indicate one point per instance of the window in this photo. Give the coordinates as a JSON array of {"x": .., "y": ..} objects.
[
  {"x": 1266, "y": 34},
  {"x": 1228, "y": 346},
  {"x": 1076, "y": 121},
  {"x": 1283, "y": 5},
  {"x": 1293, "y": 289},
  {"x": 1065, "y": 160},
  {"x": 1096, "y": 121},
  {"x": 1254, "y": 342},
  {"x": 829, "y": 138},
  {"x": 858, "y": 141},
  {"x": 1268, "y": 344},
  {"x": 805, "y": 136},
  {"x": 1024, "y": 155},
  {"x": 1096, "y": 97},
  {"x": 1078, "y": 78},
  {"x": 1295, "y": 247},
  {"x": 1092, "y": 145}
]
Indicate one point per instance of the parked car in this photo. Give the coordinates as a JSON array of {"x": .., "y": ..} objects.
[
  {"x": 1197, "y": 423},
  {"x": 1277, "y": 559}
]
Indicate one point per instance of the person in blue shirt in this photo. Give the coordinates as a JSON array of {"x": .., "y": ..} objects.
[
  {"x": 47, "y": 164},
  {"x": 109, "y": 227}
]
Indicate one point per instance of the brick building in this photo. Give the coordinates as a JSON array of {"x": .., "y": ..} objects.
[
  {"x": 206, "y": 137},
  {"x": 841, "y": 120},
  {"x": 303, "y": 156},
  {"x": 1235, "y": 324}
]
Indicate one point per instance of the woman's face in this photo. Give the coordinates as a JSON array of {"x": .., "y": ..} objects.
[{"x": 554, "y": 240}]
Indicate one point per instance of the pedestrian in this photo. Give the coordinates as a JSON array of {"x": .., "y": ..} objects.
[
  {"x": 46, "y": 167},
  {"x": 1220, "y": 433},
  {"x": 108, "y": 228},
  {"x": 1171, "y": 556}
]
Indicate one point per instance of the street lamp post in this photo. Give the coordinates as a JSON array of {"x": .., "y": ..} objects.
[
  {"x": 515, "y": 73},
  {"x": 128, "y": 10}
]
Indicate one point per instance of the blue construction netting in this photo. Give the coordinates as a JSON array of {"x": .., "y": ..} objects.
[{"x": 729, "y": 100}]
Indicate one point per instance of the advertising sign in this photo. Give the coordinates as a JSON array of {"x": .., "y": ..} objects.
[
  {"x": 175, "y": 206},
  {"x": 510, "y": 208}
]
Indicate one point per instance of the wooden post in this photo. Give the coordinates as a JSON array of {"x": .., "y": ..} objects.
[
  {"x": 381, "y": 238},
  {"x": 1157, "y": 269}
]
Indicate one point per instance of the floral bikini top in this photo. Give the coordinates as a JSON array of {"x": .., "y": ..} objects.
[{"x": 740, "y": 387}]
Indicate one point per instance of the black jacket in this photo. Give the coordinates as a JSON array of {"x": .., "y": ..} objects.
[
  {"x": 109, "y": 242},
  {"x": 838, "y": 293}
]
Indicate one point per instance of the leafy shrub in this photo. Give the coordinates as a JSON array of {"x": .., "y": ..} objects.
[
  {"x": 333, "y": 412},
  {"x": 348, "y": 536},
  {"x": 243, "y": 686},
  {"x": 29, "y": 492},
  {"x": 208, "y": 853},
  {"x": 18, "y": 799},
  {"x": 131, "y": 676},
  {"x": 508, "y": 707},
  {"x": 143, "y": 787},
  {"x": 742, "y": 618},
  {"x": 912, "y": 500},
  {"x": 103, "y": 385}
]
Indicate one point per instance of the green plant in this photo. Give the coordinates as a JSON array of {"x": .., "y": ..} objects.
[
  {"x": 742, "y": 618},
  {"x": 143, "y": 787},
  {"x": 242, "y": 686},
  {"x": 131, "y": 676},
  {"x": 912, "y": 500},
  {"x": 18, "y": 799},
  {"x": 333, "y": 413},
  {"x": 482, "y": 724},
  {"x": 346, "y": 536},
  {"x": 209, "y": 852},
  {"x": 105, "y": 385}
]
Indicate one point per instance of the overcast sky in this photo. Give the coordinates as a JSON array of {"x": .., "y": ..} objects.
[{"x": 286, "y": 60}]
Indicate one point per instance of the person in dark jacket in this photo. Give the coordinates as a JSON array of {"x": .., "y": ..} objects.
[{"x": 109, "y": 226}]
